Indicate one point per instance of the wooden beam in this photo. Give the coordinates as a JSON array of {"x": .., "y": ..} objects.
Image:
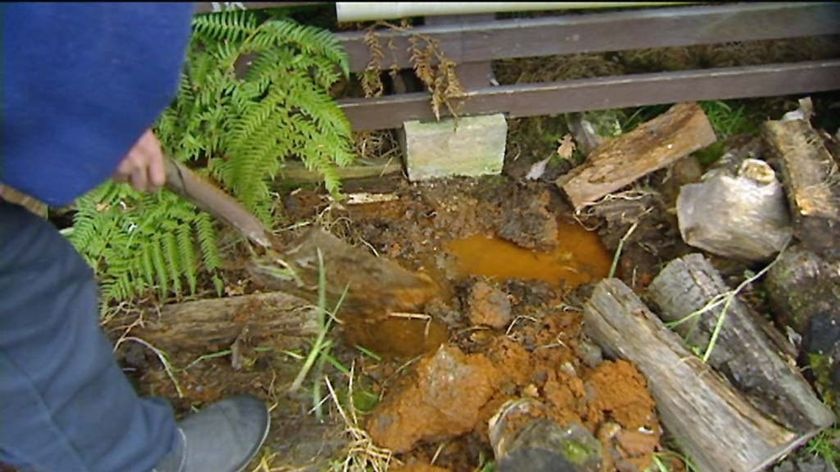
[
  {"x": 472, "y": 75},
  {"x": 600, "y": 32},
  {"x": 607, "y": 93}
]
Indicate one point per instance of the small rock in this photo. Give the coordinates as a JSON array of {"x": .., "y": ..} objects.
[
  {"x": 523, "y": 439},
  {"x": 527, "y": 220},
  {"x": 590, "y": 354},
  {"x": 546, "y": 446},
  {"x": 441, "y": 400},
  {"x": 489, "y": 306}
]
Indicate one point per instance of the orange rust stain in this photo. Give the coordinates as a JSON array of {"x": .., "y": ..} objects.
[
  {"x": 396, "y": 337},
  {"x": 579, "y": 258}
]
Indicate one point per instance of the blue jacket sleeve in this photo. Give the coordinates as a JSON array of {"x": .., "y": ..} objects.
[{"x": 81, "y": 82}]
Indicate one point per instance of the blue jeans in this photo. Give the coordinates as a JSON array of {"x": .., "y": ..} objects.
[{"x": 65, "y": 404}]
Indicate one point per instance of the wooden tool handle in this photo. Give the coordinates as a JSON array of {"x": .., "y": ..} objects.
[{"x": 215, "y": 201}]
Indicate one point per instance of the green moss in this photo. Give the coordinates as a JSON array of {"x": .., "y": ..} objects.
[
  {"x": 576, "y": 452},
  {"x": 821, "y": 366}
]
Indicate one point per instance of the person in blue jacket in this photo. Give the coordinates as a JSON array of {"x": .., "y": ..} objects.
[{"x": 82, "y": 86}]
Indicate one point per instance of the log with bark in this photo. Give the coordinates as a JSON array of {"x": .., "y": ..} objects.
[
  {"x": 287, "y": 320},
  {"x": 653, "y": 145},
  {"x": 718, "y": 428},
  {"x": 803, "y": 290},
  {"x": 743, "y": 351},
  {"x": 812, "y": 180},
  {"x": 800, "y": 285}
]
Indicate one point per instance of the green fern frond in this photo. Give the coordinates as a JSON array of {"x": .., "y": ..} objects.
[
  {"x": 224, "y": 26},
  {"x": 188, "y": 261},
  {"x": 206, "y": 235},
  {"x": 310, "y": 40},
  {"x": 238, "y": 129}
]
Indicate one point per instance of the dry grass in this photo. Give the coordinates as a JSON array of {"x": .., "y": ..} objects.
[{"x": 361, "y": 454}]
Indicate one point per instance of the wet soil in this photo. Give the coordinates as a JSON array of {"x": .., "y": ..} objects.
[{"x": 511, "y": 261}]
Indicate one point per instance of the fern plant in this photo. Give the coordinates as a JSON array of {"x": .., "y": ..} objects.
[{"x": 253, "y": 95}]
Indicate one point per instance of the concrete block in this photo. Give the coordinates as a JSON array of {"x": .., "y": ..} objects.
[{"x": 469, "y": 146}]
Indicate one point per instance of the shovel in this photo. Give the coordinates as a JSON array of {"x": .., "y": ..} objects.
[{"x": 365, "y": 283}]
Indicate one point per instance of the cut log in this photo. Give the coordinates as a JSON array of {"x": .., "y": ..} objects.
[
  {"x": 742, "y": 352},
  {"x": 287, "y": 320},
  {"x": 800, "y": 285},
  {"x": 803, "y": 290},
  {"x": 812, "y": 179},
  {"x": 739, "y": 215},
  {"x": 615, "y": 164},
  {"x": 714, "y": 424}
]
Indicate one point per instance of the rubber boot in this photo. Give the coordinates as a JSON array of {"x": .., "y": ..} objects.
[{"x": 224, "y": 437}]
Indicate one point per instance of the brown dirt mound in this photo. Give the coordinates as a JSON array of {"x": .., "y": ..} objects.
[{"x": 450, "y": 395}]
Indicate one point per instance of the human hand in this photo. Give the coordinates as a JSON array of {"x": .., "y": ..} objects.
[{"x": 143, "y": 166}]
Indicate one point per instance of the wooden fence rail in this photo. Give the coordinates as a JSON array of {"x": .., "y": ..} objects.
[{"x": 473, "y": 44}]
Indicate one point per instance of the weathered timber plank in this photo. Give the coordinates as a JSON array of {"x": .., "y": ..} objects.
[
  {"x": 812, "y": 179},
  {"x": 295, "y": 172},
  {"x": 742, "y": 352},
  {"x": 605, "y": 93},
  {"x": 714, "y": 425},
  {"x": 472, "y": 75},
  {"x": 653, "y": 145},
  {"x": 599, "y": 32},
  {"x": 587, "y": 33},
  {"x": 218, "y": 322}
]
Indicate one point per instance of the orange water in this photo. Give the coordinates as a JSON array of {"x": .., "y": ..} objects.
[
  {"x": 579, "y": 258},
  {"x": 397, "y": 337}
]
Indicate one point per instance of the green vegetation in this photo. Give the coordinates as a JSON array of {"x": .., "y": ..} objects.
[
  {"x": 253, "y": 95},
  {"x": 826, "y": 445}
]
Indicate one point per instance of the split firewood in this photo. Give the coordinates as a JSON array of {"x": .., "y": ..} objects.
[
  {"x": 653, "y": 145},
  {"x": 812, "y": 180},
  {"x": 742, "y": 350},
  {"x": 715, "y": 425}
]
